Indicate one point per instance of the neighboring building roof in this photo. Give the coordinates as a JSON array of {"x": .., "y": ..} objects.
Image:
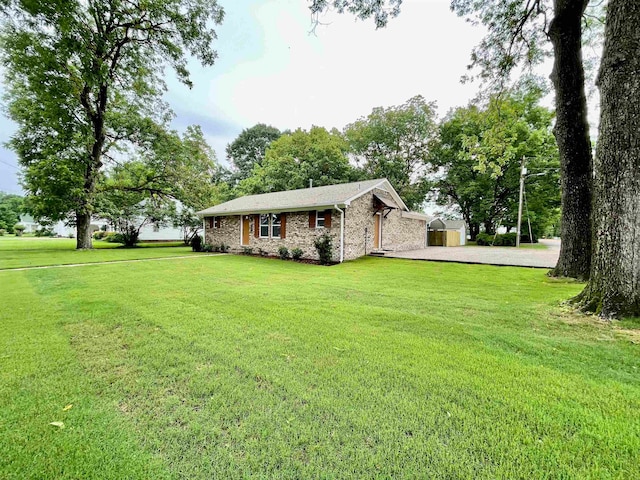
[
  {"x": 26, "y": 219},
  {"x": 455, "y": 224},
  {"x": 302, "y": 199}
]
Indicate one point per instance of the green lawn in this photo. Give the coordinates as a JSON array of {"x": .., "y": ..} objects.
[
  {"x": 32, "y": 252},
  {"x": 231, "y": 366}
]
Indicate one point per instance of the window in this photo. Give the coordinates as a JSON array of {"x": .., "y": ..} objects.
[
  {"x": 264, "y": 225},
  {"x": 276, "y": 224},
  {"x": 319, "y": 219}
]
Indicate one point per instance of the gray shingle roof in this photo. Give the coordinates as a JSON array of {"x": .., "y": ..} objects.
[
  {"x": 294, "y": 199},
  {"x": 454, "y": 224}
]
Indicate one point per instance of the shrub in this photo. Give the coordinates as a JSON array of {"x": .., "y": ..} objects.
[
  {"x": 2, "y": 232},
  {"x": 71, "y": 235},
  {"x": 247, "y": 250},
  {"x": 484, "y": 239},
  {"x": 283, "y": 252},
  {"x": 114, "y": 237},
  {"x": 196, "y": 243},
  {"x": 207, "y": 247},
  {"x": 296, "y": 253},
  {"x": 500, "y": 240},
  {"x": 526, "y": 239},
  {"x": 100, "y": 234},
  {"x": 324, "y": 246},
  {"x": 224, "y": 248},
  {"x": 505, "y": 240},
  {"x": 18, "y": 228},
  {"x": 44, "y": 232}
]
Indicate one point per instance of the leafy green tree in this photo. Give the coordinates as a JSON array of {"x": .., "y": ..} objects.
[
  {"x": 141, "y": 191},
  {"x": 296, "y": 158},
  {"x": 249, "y": 148},
  {"x": 517, "y": 36},
  {"x": 84, "y": 84},
  {"x": 394, "y": 143},
  {"x": 477, "y": 161},
  {"x": 11, "y": 207}
]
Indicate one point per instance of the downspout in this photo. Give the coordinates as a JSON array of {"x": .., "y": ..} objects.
[{"x": 341, "y": 233}]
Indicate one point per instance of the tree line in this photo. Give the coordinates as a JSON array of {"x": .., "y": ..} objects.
[{"x": 469, "y": 162}]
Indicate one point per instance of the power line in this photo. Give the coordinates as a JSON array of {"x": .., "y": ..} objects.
[{"x": 9, "y": 165}]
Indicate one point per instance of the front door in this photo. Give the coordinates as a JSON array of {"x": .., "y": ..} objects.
[
  {"x": 377, "y": 232},
  {"x": 245, "y": 230}
]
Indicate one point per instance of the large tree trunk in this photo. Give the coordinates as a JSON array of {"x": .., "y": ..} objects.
[
  {"x": 572, "y": 135},
  {"x": 614, "y": 287},
  {"x": 474, "y": 230},
  {"x": 83, "y": 230}
]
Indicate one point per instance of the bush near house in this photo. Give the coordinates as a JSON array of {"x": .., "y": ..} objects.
[
  {"x": 19, "y": 229},
  {"x": 44, "y": 232},
  {"x": 114, "y": 237},
  {"x": 196, "y": 243},
  {"x": 296, "y": 253},
  {"x": 283, "y": 252},
  {"x": 324, "y": 247}
]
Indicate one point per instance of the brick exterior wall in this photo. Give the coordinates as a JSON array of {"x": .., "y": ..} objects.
[
  {"x": 398, "y": 232},
  {"x": 297, "y": 235}
]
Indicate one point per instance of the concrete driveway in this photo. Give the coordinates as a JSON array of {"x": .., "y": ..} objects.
[{"x": 511, "y": 256}]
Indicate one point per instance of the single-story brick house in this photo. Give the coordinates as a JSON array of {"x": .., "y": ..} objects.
[{"x": 362, "y": 217}]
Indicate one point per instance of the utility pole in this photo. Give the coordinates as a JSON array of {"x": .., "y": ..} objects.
[{"x": 523, "y": 172}]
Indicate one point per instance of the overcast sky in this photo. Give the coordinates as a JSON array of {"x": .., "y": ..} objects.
[{"x": 272, "y": 70}]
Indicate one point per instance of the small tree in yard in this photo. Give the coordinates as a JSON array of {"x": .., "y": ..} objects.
[
  {"x": 187, "y": 221},
  {"x": 324, "y": 247},
  {"x": 19, "y": 229}
]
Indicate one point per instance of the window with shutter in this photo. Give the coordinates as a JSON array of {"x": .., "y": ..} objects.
[
  {"x": 327, "y": 219},
  {"x": 319, "y": 219}
]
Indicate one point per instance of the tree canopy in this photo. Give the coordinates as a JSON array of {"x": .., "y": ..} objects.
[
  {"x": 84, "y": 84},
  {"x": 394, "y": 143},
  {"x": 249, "y": 148},
  {"x": 477, "y": 160},
  {"x": 294, "y": 159},
  {"x": 11, "y": 207}
]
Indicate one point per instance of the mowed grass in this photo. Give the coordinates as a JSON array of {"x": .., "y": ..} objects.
[
  {"x": 233, "y": 367},
  {"x": 34, "y": 252}
]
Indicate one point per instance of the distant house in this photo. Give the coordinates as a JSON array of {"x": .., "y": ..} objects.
[
  {"x": 150, "y": 232},
  {"x": 362, "y": 217},
  {"x": 58, "y": 228}
]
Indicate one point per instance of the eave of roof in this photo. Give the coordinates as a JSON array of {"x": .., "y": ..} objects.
[{"x": 271, "y": 203}]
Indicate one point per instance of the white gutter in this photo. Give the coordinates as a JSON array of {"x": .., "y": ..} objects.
[{"x": 341, "y": 232}]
